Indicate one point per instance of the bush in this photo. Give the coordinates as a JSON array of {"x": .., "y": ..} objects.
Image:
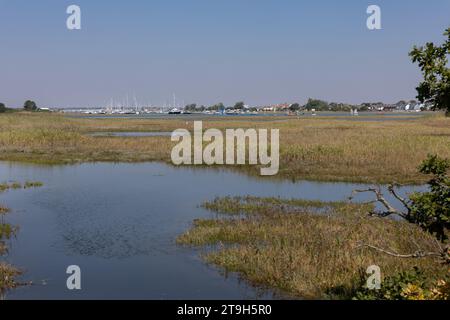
[
  {"x": 410, "y": 285},
  {"x": 431, "y": 210}
]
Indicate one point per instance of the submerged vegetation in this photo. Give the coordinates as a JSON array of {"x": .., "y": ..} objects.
[{"x": 325, "y": 149}]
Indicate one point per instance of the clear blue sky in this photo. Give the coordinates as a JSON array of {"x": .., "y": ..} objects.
[{"x": 208, "y": 51}]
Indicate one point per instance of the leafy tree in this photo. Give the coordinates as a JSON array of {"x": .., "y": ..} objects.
[
  {"x": 316, "y": 104},
  {"x": 217, "y": 107},
  {"x": 431, "y": 210},
  {"x": 239, "y": 105},
  {"x": 294, "y": 107},
  {"x": 190, "y": 107},
  {"x": 2, "y": 108},
  {"x": 432, "y": 60},
  {"x": 30, "y": 105}
]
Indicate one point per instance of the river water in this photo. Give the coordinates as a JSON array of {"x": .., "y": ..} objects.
[{"x": 119, "y": 222}]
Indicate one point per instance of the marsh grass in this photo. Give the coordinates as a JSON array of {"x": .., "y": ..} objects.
[
  {"x": 8, "y": 275},
  {"x": 16, "y": 185},
  {"x": 324, "y": 149},
  {"x": 258, "y": 206},
  {"x": 302, "y": 253}
]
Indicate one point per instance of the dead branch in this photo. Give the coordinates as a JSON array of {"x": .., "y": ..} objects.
[
  {"x": 443, "y": 253},
  {"x": 380, "y": 198},
  {"x": 405, "y": 202}
]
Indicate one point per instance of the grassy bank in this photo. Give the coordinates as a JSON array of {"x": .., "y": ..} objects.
[
  {"x": 306, "y": 249},
  {"x": 310, "y": 148}
]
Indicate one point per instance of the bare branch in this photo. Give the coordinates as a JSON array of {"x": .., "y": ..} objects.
[
  {"x": 379, "y": 198},
  {"x": 405, "y": 202},
  {"x": 418, "y": 254}
]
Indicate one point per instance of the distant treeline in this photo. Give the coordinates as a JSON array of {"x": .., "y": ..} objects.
[
  {"x": 29, "y": 105},
  {"x": 217, "y": 107},
  {"x": 312, "y": 104}
]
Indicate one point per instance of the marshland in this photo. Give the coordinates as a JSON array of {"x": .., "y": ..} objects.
[
  {"x": 322, "y": 148},
  {"x": 143, "y": 228}
]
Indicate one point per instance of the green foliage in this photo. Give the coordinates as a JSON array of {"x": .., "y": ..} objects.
[
  {"x": 191, "y": 107},
  {"x": 433, "y": 62},
  {"x": 316, "y": 104},
  {"x": 239, "y": 105},
  {"x": 333, "y": 106},
  {"x": 431, "y": 210},
  {"x": 2, "y": 108},
  {"x": 217, "y": 107},
  {"x": 392, "y": 288},
  {"x": 30, "y": 105},
  {"x": 407, "y": 285},
  {"x": 294, "y": 107}
]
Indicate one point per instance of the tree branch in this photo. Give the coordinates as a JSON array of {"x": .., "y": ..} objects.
[
  {"x": 418, "y": 254},
  {"x": 379, "y": 198},
  {"x": 405, "y": 202}
]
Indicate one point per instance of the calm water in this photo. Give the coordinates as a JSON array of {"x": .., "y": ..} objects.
[{"x": 118, "y": 222}]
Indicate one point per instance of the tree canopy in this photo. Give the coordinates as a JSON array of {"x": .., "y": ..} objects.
[
  {"x": 294, "y": 107},
  {"x": 433, "y": 61},
  {"x": 2, "y": 108},
  {"x": 30, "y": 105},
  {"x": 239, "y": 105},
  {"x": 316, "y": 104}
]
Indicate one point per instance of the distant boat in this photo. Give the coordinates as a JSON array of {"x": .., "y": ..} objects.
[
  {"x": 314, "y": 112},
  {"x": 175, "y": 111},
  {"x": 355, "y": 113}
]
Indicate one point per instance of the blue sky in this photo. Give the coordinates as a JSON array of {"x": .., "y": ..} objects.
[{"x": 208, "y": 51}]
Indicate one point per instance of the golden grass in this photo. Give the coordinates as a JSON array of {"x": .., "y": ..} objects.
[
  {"x": 312, "y": 148},
  {"x": 303, "y": 252}
]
